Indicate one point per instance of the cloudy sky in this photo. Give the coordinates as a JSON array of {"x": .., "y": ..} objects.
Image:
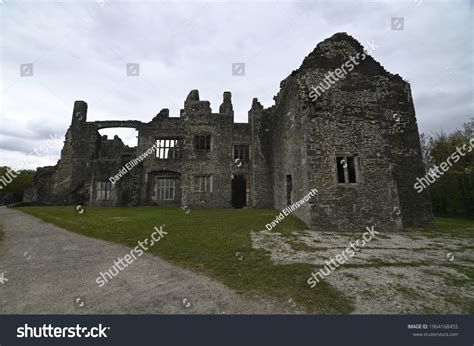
[{"x": 80, "y": 50}]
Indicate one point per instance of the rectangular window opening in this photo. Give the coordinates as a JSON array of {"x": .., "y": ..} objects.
[
  {"x": 202, "y": 142},
  {"x": 165, "y": 189},
  {"x": 169, "y": 148},
  {"x": 347, "y": 169},
  {"x": 202, "y": 183},
  {"x": 103, "y": 190},
  {"x": 241, "y": 152}
]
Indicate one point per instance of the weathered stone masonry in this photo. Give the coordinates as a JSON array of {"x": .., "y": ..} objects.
[{"x": 357, "y": 144}]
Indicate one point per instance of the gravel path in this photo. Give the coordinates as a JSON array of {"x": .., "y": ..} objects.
[{"x": 53, "y": 271}]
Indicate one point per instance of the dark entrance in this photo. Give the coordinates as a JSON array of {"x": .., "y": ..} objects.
[
  {"x": 289, "y": 189},
  {"x": 239, "y": 191}
]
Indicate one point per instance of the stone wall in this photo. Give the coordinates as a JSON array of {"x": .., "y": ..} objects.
[
  {"x": 416, "y": 208},
  {"x": 290, "y": 175},
  {"x": 160, "y": 126},
  {"x": 261, "y": 149},
  {"x": 353, "y": 117},
  {"x": 241, "y": 136},
  {"x": 293, "y": 147},
  {"x": 199, "y": 120}
]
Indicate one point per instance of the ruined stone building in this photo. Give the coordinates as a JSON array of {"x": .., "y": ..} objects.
[{"x": 357, "y": 144}]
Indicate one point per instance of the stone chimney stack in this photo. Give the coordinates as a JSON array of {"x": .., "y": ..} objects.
[
  {"x": 256, "y": 105},
  {"x": 226, "y": 106},
  {"x": 79, "y": 114},
  {"x": 194, "y": 106}
]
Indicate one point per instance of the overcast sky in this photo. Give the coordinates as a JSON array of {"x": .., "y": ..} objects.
[{"x": 79, "y": 51}]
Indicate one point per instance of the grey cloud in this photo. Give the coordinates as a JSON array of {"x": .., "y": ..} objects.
[{"x": 80, "y": 50}]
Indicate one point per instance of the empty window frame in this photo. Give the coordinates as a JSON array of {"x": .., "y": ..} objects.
[
  {"x": 202, "y": 142},
  {"x": 165, "y": 189},
  {"x": 202, "y": 183},
  {"x": 241, "y": 152},
  {"x": 169, "y": 148},
  {"x": 347, "y": 169},
  {"x": 103, "y": 190}
]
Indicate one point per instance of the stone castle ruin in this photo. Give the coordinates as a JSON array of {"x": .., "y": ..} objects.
[{"x": 357, "y": 144}]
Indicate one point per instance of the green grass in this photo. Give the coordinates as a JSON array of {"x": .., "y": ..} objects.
[
  {"x": 447, "y": 224},
  {"x": 453, "y": 227},
  {"x": 206, "y": 241}
]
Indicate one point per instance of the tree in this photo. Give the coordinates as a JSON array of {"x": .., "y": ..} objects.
[
  {"x": 453, "y": 192},
  {"x": 23, "y": 179}
]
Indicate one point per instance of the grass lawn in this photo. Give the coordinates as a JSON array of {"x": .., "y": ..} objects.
[
  {"x": 454, "y": 227},
  {"x": 208, "y": 241}
]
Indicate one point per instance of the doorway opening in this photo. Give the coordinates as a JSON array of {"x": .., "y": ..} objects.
[
  {"x": 289, "y": 189},
  {"x": 239, "y": 191}
]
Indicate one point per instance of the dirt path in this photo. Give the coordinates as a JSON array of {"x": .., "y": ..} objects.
[{"x": 50, "y": 270}]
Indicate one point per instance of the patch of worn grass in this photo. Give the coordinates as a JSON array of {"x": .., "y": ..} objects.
[
  {"x": 414, "y": 237},
  {"x": 460, "y": 301},
  {"x": 352, "y": 276},
  {"x": 207, "y": 241},
  {"x": 399, "y": 275},
  {"x": 409, "y": 292},
  {"x": 379, "y": 263},
  {"x": 466, "y": 270},
  {"x": 428, "y": 310},
  {"x": 382, "y": 236},
  {"x": 450, "y": 280},
  {"x": 1, "y": 235},
  {"x": 298, "y": 245}
]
